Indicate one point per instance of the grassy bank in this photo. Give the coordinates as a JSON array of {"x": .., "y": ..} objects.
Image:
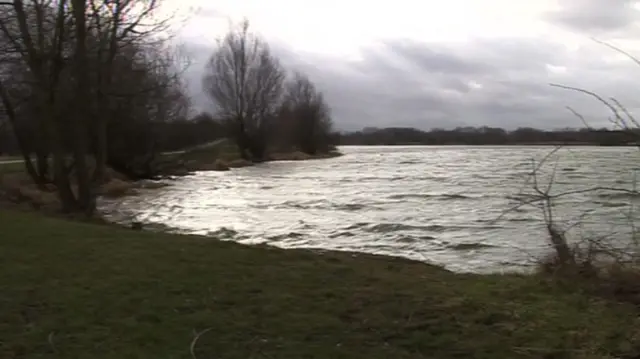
[
  {"x": 223, "y": 155},
  {"x": 11, "y": 167},
  {"x": 72, "y": 290}
]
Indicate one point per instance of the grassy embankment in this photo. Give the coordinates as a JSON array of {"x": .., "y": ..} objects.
[
  {"x": 12, "y": 167},
  {"x": 74, "y": 290}
]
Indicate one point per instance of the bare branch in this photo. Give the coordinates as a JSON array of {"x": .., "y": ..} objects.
[
  {"x": 192, "y": 347},
  {"x": 617, "y": 49},
  {"x": 578, "y": 115},
  {"x": 618, "y": 120}
]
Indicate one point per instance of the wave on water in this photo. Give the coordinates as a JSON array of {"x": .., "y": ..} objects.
[
  {"x": 619, "y": 194},
  {"x": 443, "y": 196},
  {"x": 613, "y": 204},
  {"x": 469, "y": 246},
  {"x": 223, "y": 233},
  {"x": 285, "y": 236},
  {"x": 394, "y": 201},
  {"x": 317, "y": 205},
  {"x": 395, "y": 178},
  {"x": 414, "y": 239},
  {"x": 398, "y": 227},
  {"x": 576, "y": 176}
]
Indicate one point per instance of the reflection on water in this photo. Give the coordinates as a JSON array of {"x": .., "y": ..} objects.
[{"x": 429, "y": 203}]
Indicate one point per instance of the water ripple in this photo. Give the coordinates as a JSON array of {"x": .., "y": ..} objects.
[{"x": 438, "y": 204}]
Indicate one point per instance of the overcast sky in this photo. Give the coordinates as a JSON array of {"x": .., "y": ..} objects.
[{"x": 444, "y": 63}]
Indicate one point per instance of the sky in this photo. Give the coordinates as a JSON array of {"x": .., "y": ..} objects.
[{"x": 428, "y": 64}]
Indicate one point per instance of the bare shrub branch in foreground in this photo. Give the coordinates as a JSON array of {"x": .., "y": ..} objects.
[{"x": 596, "y": 248}]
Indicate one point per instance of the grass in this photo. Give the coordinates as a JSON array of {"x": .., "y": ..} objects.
[
  {"x": 11, "y": 167},
  {"x": 223, "y": 149},
  {"x": 227, "y": 150},
  {"x": 74, "y": 290}
]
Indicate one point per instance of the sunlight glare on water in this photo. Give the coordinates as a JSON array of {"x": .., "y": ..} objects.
[{"x": 437, "y": 204}]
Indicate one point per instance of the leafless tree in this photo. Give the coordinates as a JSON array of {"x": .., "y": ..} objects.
[
  {"x": 38, "y": 40},
  {"x": 150, "y": 92},
  {"x": 245, "y": 80},
  {"x": 114, "y": 24},
  {"x": 60, "y": 66},
  {"x": 306, "y": 112}
]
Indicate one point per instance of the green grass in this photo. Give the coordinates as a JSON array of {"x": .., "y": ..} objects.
[
  {"x": 73, "y": 290},
  {"x": 224, "y": 150},
  {"x": 11, "y": 167}
]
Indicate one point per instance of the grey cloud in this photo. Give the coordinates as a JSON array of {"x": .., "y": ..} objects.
[
  {"x": 434, "y": 58},
  {"x": 425, "y": 85},
  {"x": 389, "y": 94},
  {"x": 515, "y": 89},
  {"x": 198, "y": 54},
  {"x": 595, "y": 15}
]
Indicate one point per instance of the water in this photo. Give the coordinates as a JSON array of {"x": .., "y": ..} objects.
[{"x": 437, "y": 204}]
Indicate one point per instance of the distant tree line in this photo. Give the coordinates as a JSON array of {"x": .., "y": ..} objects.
[
  {"x": 88, "y": 85},
  {"x": 489, "y": 136}
]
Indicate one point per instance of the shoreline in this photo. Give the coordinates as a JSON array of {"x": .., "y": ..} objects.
[
  {"x": 17, "y": 189},
  {"x": 532, "y": 144},
  {"x": 225, "y": 165}
]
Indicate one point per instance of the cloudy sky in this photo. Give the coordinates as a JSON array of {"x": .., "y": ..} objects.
[{"x": 444, "y": 63}]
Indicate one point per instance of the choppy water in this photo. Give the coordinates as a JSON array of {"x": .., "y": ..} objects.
[{"x": 437, "y": 204}]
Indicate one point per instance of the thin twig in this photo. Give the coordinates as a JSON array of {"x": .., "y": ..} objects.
[
  {"x": 614, "y": 110},
  {"x": 578, "y": 115},
  {"x": 51, "y": 344},
  {"x": 192, "y": 348},
  {"x": 630, "y": 117},
  {"x": 539, "y": 198},
  {"x": 617, "y": 49}
]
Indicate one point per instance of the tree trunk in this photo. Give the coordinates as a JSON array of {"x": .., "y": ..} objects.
[
  {"x": 67, "y": 199},
  {"x": 11, "y": 115},
  {"x": 42, "y": 163},
  {"x": 101, "y": 151},
  {"x": 61, "y": 179},
  {"x": 86, "y": 199},
  {"x": 243, "y": 141},
  {"x": 559, "y": 242}
]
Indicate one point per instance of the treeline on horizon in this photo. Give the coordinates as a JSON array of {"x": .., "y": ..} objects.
[
  {"x": 489, "y": 136},
  {"x": 202, "y": 128}
]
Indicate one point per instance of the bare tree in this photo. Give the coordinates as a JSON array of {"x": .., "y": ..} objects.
[
  {"x": 308, "y": 114},
  {"x": 61, "y": 86},
  {"x": 245, "y": 82},
  {"x": 114, "y": 24},
  {"x": 38, "y": 41},
  {"x": 150, "y": 93}
]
